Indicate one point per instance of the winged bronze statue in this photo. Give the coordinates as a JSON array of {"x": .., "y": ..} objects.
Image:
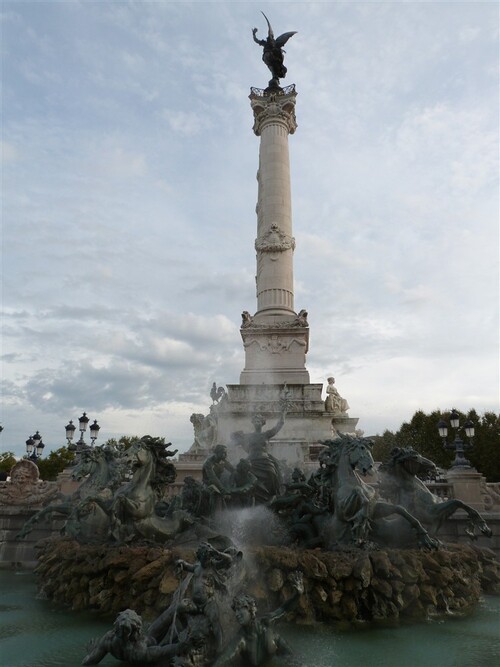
[{"x": 273, "y": 51}]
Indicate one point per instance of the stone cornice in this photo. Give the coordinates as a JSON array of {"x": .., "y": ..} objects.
[{"x": 298, "y": 322}]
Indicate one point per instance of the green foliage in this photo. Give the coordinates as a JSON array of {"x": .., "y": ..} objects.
[
  {"x": 7, "y": 460},
  {"x": 55, "y": 463},
  {"x": 124, "y": 442},
  {"x": 422, "y": 434},
  {"x": 485, "y": 455},
  {"x": 383, "y": 444}
]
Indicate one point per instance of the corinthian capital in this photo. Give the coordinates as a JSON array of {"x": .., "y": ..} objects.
[{"x": 274, "y": 107}]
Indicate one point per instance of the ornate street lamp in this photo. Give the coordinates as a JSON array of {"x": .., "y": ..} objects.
[
  {"x": 458, "y": 445},
  {"x": 82, "y": 427},
  {"x": 94, "y": 431},
  {"x": 34, "y": 447},
  {"x": 70, "y": 433}
]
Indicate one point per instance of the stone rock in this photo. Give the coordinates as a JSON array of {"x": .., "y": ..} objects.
[
  {"x": 349, "y": 607},
  {"x": 339, "y": 566},
  {"x": 428, "y": 594},
  {"x": 320, "y": 592},
  {"x": 275, "y": 579},
  {"x": 150, "y": 570},
  {"x": 312, "y": 565},
  {"x": 382, "y": 586},
  {"x": 381, "y": 564},
  {"x": 348, "y": 586},
  {"x": 362, "y": 570},
  {"x": 335, "y": 597}
]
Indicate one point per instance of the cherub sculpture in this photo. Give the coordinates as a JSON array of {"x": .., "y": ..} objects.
[{"x": 257, "y": 640}]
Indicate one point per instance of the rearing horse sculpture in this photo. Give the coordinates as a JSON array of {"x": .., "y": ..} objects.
[
  {"x": 358, "y": 513},
  {"x": 133, "y": 505},
  {"x": 399, "y": 482},
  {"x": 101, "y": 475}
]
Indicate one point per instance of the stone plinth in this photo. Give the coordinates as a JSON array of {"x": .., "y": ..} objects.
[
  {"x": 467, "y": 486},
  {"x": 20, "y": 554},
  {"x": 66, "y": 483},
  {"x": 305, "y": 426},
  {"x": 275, "y": 353}
]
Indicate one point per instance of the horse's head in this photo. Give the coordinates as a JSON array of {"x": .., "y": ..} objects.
[
  {"x": 86, "y": 465},
  {"x": 357, "y": 451},
  {"x": 138, "y": 455},
  {"x": 409, "y": 461},
  {"x": 360, "y": 454}
]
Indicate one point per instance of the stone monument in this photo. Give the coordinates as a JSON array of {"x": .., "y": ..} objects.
[
  {"x": 276, "y": 337},
  {"x": 20, "y": 498}
]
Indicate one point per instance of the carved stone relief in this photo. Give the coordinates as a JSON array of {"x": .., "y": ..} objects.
[
  {"x": 274, "y": 241},
  {"x": 275, "y": 344},
  {"x": 25, "y": 487}
]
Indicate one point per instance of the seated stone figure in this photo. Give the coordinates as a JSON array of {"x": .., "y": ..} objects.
[
  {"x": 334, "y": 401},
  {"x": 257, "y": 640},
  {"x": 128, "y": 642}
]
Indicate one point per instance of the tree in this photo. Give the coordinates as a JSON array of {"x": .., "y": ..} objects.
[
  {"x": 421, "y": 433},
  {"x": 383, "y": 444},
  {"x": 485, "y": 455},
  {"x": 55, "y": 463},
  {"x": 7, "y": 460},
  {"x": 123, "y": 443}
]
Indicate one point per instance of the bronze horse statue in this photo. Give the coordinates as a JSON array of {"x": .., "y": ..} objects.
[
  {"x": 132, "y": 509},
  {"x": 101, "y": 475},
  {"x": 399, "y": 481},
  {"x": 127, "y": 513},
  {"x": 359, "y": 515}
]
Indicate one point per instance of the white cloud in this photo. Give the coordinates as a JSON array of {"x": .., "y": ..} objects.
[
  {"x": 9, "y": 152},
  {"x": 185, "y": 123},
  {"x": 129, "y": 195}
]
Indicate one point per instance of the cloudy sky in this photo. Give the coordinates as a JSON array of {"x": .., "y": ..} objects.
[{"x": 129, "y": 207}]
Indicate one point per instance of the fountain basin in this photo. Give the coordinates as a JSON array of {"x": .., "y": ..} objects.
[{"x": 351, "y": 585}]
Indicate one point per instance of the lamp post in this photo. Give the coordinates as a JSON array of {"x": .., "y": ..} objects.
[
  {"x": 458, "y": 445},
  {"x": 34, "y": 447},
  {"x": 82, "y": 427}
]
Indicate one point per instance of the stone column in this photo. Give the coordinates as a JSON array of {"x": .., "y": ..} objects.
[
  {"x": 275, "y": 339},
  {"x": 274, "y": 115}
]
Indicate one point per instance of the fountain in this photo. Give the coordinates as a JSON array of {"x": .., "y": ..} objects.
[
  {"x": 371, "y": 561},
  {"x": 326, "y": 547}
]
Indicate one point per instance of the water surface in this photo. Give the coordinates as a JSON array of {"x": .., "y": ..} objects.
[{"x": 36, "y": 633}]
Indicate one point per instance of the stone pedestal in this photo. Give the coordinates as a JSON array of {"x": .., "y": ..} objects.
[
  {"x": 467, "y": 486},
  {"x": 305, "y": 426},
  {"x": 66, "y": 483},
  {"x": 275, "y": 353}
]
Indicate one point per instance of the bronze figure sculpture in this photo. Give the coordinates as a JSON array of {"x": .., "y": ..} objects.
[
  {"x": 128, "y": 641},
  {"x": 257, "y": 640},
  {"x": 263, "y": 464},
  {"x": 273, "y": 52}
]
